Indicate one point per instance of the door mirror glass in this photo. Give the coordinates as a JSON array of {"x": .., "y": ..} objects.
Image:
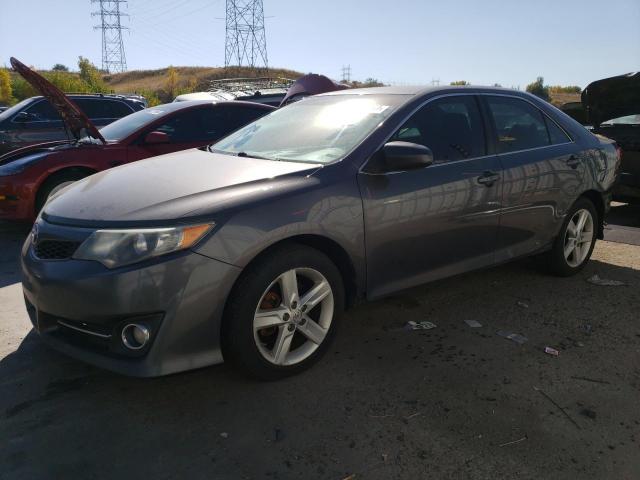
[
  {"x": 400, "y": 156},
  {"x": 156, "y": 138}
]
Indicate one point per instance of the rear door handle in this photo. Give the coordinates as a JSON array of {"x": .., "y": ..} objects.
[
  {"x": 573, "y": 161},
  {"x": 488, "y": 178}
]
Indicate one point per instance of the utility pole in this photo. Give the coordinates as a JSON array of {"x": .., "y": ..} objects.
[
  {"x": 346, "y": 73},
  {"x": 113, "y": 57},
  {"x": 246, "y": 42}
]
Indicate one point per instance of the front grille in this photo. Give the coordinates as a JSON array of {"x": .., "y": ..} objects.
[{"x": 55, "y": 249}]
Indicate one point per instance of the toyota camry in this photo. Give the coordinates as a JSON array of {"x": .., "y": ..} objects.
[{"x": 249, "y": 250}]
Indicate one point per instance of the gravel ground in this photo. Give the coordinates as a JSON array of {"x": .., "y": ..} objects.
[{"x": 385, "y": 403}]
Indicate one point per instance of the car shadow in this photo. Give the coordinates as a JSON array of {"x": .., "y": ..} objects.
[
  {"x": 624, "y": 215},
  {"x": 383, "y": 403},
  {"x": 12, "y": 237}
]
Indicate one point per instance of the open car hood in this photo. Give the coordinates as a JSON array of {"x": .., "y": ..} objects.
[
  {"x": 612, "y": 97},
  {"x": 74, "y": 119},
  {"x": 311, "y": 84}
]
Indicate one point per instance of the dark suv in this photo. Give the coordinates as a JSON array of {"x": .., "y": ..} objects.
[{"x": 35, "y": 120}]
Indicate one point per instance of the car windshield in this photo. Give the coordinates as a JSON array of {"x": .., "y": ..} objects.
[
  {"x": 626, "y": 120},
  {"x": 315, "y": 130},
  {"x": 17, "y": 108},
  {"x": 122, "y": 128}
]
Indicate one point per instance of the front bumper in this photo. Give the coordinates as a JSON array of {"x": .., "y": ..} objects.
[
  {"x": 17, "y": 197},
  {"x": 79, "y": 307}
]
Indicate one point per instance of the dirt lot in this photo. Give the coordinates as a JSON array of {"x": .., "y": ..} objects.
[{"x": 451, "y": 402}]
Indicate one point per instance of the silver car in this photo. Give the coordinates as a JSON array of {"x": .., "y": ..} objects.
[{"x": 248, "y": 250}]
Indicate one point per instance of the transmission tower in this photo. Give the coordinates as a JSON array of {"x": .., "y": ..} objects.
[
  {"x": 113, "y": 58},
  {"x": 246, "y": 43},
  {"x": 346, "y": 73}
]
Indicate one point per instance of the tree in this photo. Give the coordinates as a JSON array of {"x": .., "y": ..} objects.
[
  {"x": 460, "y": 82},
  {"x": 91, "y": 76},
  {"x": 539, "y": 89},
  {"x": 171, "y": 84},
  {"x": 6, "y": 92},
  {"x": 58, "y": 67}
]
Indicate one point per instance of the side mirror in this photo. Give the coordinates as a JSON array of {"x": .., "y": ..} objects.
[
  {"x": 400, "y": 156},
  {"x": 154, "y": 138}
]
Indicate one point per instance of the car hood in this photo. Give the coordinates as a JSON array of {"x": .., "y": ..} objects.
[
  {"x": 173, "y": 189},
  {"x": 74, "y": 119},
  {"x": 612, "y": 97},
  {"x": 40, "y": 149}
]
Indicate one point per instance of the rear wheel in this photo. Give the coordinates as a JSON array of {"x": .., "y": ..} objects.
[
  {"x": 573, "y": 246},
  {"x": 283, "y": 312}
]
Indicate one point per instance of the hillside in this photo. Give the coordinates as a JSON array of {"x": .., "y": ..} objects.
[{"x": 188, "y": 78}]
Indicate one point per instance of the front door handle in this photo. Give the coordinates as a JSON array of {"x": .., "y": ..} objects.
[
  {"x": 573, "y": 161},
  {"x": 488, "y": 178}
]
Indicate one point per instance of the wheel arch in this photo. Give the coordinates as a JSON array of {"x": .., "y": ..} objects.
[
  {"x": 56, "y": 175},
  {"x": 332, "y": 249},
  {"x": 595, "y": 197}
]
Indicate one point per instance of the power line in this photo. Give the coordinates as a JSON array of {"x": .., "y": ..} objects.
[
  {"x": 245, "y": 42},
  {"x": 113, "y": 57}
]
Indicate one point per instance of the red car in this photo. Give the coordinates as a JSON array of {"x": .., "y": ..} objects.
[{"x": 30, "y": 175}]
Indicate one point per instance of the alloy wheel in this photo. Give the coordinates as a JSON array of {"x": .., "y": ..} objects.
[
  {"x": 293, "y": 316},
  {"x": 578, "y": 237}
]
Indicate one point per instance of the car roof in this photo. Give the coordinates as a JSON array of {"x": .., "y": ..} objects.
[
  {"x": 175, "y": 106},
  {"x": 413, "y": 90}
]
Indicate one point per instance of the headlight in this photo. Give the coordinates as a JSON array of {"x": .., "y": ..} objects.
[{"x": 115, "y": 248}]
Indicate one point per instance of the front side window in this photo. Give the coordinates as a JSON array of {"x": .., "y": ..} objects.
[
  {"x": 183, "y": 127},
  {"x": 451, "y": 127},
  {"x": 519, "y": 125},
  {"x": 42, "y": 111},
  {"x": 318, "y": 129}
]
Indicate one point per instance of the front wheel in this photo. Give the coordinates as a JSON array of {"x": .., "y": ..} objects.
[
  {"x": 283, "y": 312},
  {"x": 573, "y": 246}
]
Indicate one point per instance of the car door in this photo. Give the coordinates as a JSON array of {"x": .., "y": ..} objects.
[
  {"x": 543, "y": 170},
  {"x": 424, "y": 224},
  {"x": 42, "y": 123}
]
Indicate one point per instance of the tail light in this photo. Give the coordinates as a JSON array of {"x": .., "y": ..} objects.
[{"x": 618, "y": 152}]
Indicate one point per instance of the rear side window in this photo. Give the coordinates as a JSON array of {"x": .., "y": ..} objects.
[
  {"x": 519, "y": 125},
  {"x": 102, "y": 108},
  {"x": 239, "y": 117},
  {"x": 42, "y": 111},
  {"x": 451, "y": 127},
  {"x": 556, "y": 134}
]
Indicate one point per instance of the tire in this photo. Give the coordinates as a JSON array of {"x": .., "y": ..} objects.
[
  {"x": 559, "y": 262},
  {"x": 267, "y": 335},
  {"x": 54, "y": 184}
]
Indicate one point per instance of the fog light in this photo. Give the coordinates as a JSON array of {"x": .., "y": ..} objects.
[{"x": 135, "y": 336}]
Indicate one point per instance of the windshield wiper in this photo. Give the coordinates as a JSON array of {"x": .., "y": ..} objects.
[{"x": 247, "y": 155}]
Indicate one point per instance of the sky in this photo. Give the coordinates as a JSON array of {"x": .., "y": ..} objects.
[{"x": 510, "y": 42}]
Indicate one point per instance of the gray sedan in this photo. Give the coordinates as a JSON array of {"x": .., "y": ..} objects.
[{"x": 249, "y": 250}]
